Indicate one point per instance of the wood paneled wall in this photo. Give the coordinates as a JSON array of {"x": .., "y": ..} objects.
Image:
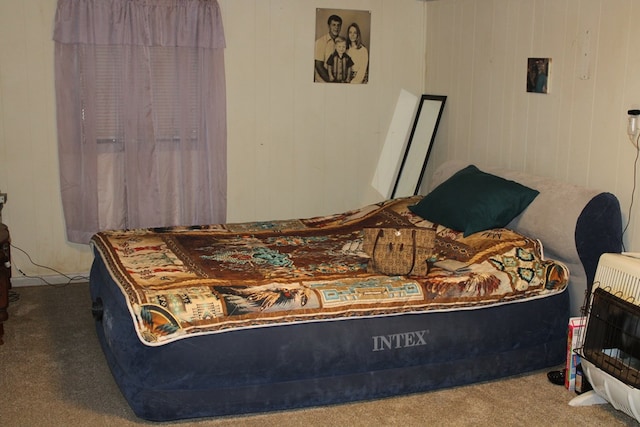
[
  {"x": 299, "y": 148},
  {"x": 28, "y": 143},
  {"x": 296, "y": 148},
  {"x": 477, "y": 54}
]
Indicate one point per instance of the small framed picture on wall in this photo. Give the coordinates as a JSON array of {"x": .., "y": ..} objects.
[
  {"x": 538, "y": 75},
  {"x": 342, "y": 46}
]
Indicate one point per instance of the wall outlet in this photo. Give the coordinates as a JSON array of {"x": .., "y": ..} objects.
[{"x": 3, "y": 198}]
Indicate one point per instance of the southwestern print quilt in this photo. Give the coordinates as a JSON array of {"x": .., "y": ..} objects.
[{"x": 186, "y": 281}]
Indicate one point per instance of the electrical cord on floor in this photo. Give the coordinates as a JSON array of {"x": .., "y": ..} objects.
[
  {"x": 633, "y": 190},
  {"x": 70, "y": 279},
  {"x": 13, "y": 296}
]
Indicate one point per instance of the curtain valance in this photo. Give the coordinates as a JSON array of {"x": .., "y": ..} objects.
[{"x": 183, "y": 23}]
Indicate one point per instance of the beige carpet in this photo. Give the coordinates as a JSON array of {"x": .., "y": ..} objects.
[{"x": 53, "y": 373}]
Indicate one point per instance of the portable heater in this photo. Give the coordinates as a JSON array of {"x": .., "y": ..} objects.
[{"x": 609, "y": 346}]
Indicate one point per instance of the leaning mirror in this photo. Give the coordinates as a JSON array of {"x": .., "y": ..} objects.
[{"x": 416, "y": 153}]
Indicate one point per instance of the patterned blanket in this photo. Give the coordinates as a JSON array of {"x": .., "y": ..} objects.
[{"x": 186, "y": 281}]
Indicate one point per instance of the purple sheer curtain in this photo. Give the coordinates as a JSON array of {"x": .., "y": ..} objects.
[{"x": 141, "y": 113}]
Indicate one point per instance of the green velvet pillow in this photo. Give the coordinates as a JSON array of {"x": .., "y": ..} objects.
[{"x": 472, "y": 201}]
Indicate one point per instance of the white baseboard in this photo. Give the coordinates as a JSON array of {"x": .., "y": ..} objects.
[{"x": 54, "y": 279}]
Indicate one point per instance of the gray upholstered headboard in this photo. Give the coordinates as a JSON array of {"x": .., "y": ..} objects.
[{"x": 575, "y": 224}]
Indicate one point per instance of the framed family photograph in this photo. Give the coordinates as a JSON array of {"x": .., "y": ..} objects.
[
  {"x": 342, "y": 46},
  {"x": 538, "y": 75}
]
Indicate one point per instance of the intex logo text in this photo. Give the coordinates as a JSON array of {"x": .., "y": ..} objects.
[{"x": 401, "y": 340}]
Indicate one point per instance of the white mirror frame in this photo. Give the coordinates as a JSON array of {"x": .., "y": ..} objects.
[{"x": 419, "y": 144}]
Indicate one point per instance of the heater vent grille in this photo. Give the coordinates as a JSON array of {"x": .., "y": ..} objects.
[{"x": 620, "y": 278}]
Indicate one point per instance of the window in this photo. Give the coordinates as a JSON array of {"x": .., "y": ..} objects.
[{"x": 141, "y": 114}]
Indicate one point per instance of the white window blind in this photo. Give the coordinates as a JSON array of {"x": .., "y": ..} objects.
[{"x": 174, "y": 95}]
